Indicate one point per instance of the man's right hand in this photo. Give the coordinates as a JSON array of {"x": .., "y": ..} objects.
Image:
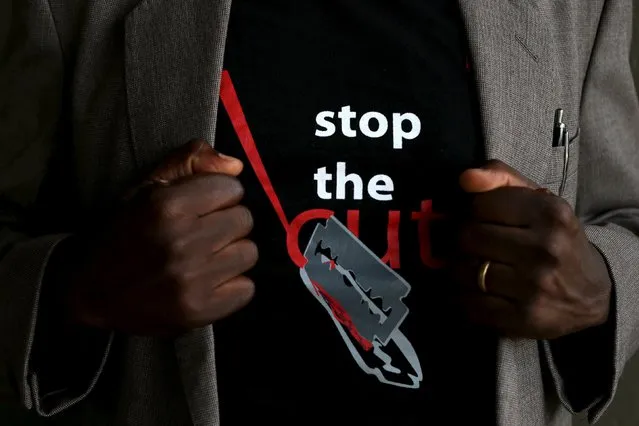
[{"x": 174, "y": 254}]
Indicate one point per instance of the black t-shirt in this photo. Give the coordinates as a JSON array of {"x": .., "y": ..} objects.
[{"x": 354, "y": 120}]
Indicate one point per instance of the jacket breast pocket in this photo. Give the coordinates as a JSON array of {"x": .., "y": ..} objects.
[{"x": 558, "y": 168}]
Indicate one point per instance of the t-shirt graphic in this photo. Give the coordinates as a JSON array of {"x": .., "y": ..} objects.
[
  {"x": 354, "y": 120},
  {"x": 361, "y": 294}
]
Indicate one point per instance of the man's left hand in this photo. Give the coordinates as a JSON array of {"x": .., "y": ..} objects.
[{"x": 545, "y": 279}]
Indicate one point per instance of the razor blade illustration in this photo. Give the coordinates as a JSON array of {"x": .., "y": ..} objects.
[{"x": 364, "y": 298}]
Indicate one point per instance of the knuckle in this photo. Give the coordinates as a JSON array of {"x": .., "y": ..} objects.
[
  {"x": 244, "y": 218},
  {"x": 561, "y": 214},
  {"x": 249, "y": 253},
  {"x": 248, "y": 292},
  {"x": 246, "y": 289},
  {"x": 554, "y": 245},
  {"x": 225, "y": 185},
  {"x": 239, "y": 292},
  {"x": 234, "y": 185},
  {"x": 171, "y": 208},
  {"x": 176, "y": 248},
  {"x": 163, "y": 205},
  {"x": 545, "y": 283}
]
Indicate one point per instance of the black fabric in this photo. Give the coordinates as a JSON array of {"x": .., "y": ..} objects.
[{"x": 294, "y": 67}]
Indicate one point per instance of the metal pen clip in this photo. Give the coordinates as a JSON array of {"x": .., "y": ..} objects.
[{"x": 560, "y": 138}]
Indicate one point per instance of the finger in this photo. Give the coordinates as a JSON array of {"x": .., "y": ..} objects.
[
  {"x": 230, "y": 262},
  {"x": 509, "y": 206},
  {"x": 197, "y": 196},
  {"x": 501, "y": 280},
  {"x": 195, "y": 157},
  {"x": 209, "y": 160},
  {"x": 217, "y": 230},
  {"x": 495, "y": 174},
  {"x": 228, "y": 298},
  {"x": 504, "y": 244},
  {"x": 220, "y": 302},
  {"x": 494, "y": 312}
]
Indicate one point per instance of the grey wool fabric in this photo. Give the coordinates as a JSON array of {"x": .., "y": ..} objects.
[{"x": 94, "y": 93}]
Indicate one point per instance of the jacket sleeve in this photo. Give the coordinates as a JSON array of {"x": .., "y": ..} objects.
[
  {"x": 31, "y": 85},
  {"x": 586, "y": 367}
]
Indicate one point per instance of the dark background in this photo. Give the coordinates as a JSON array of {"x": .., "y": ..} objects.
[{"x": 623, "y": 412}]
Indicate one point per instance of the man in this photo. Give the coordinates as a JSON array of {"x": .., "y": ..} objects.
[{"x": 402, "y": 278}]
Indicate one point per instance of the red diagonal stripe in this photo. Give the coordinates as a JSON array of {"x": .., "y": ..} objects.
[{"x": 231, "y": 103}]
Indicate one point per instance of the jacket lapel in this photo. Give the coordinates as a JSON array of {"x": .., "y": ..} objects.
[
  {"x": 515, "y": 79},
  {"x": 174, "y": 58}
]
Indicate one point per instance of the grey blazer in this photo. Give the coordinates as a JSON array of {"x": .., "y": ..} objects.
[{"x": 93, "y": 93}]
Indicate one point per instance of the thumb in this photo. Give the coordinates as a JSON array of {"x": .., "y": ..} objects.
[
  {"x": 495, "y": 174},
  {"x": 195, "y": 157}
]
